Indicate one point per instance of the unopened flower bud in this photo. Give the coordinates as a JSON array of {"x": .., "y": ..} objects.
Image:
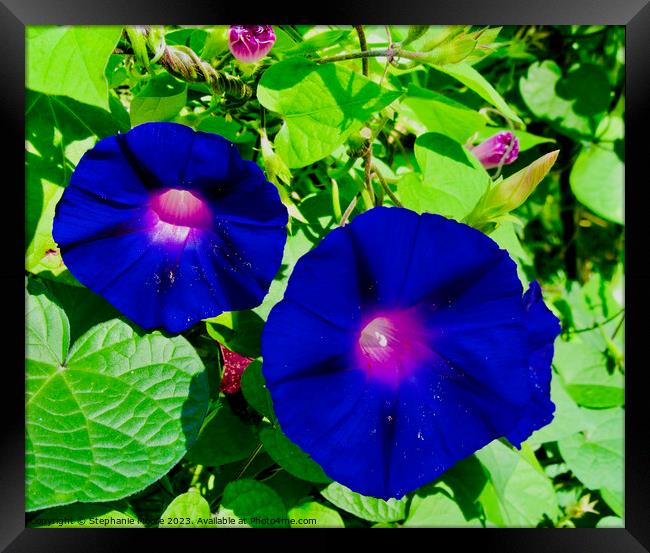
[
  {"x": 502, "y": 146},
  {"x": 233, "y": 368},
  {"x": 250, "y": 43}
]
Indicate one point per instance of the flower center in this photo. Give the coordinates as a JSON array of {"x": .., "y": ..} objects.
[
  {"x": 181, "y": 208},
  {"x": 392, "y": 345}
]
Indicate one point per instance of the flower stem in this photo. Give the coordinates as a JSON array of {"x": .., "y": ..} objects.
[
  {"x": 364, "y": 46},
  {"x": 380, "y": 53},
  {"x": 385, "y": 187}
]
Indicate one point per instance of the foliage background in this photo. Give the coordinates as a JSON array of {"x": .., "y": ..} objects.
[{"x": 101, "y": 443}]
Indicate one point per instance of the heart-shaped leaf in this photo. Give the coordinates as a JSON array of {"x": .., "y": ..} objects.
[{"x": 108, "y": 416}]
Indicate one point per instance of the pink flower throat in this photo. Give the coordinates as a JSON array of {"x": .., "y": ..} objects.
[
  {"x": 392, "y": 345},
  {"x": 182, "y": 208}
]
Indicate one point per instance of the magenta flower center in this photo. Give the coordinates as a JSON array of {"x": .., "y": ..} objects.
[
  {"x": 181, "y": 208},
  {"x": 392, "y": 345}
]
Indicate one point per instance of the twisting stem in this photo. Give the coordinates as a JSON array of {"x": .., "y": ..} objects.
[
  {"x": 364, "y": 46},
  {"x": 380, "y": 53},
  {"x": 185, "y": 64},
  {"x": 385, "y": 186},
  {"x": 349, "y": 209}
]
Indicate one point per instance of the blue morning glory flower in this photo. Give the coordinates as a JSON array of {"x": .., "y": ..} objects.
[
  {"x": 171, "y": 226},
  {"x": 403, "y": 344}
]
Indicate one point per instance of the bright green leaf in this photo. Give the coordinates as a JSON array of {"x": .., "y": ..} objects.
[
  {"x": 436, "y": 509},
  {"x": 595, "y": 455},
  {"x": 597, "y": 180},
  {"x": 473, "y": 80},
  {"x": 518, "y": 493},
  {"x": 324, "y": 516},
  {"x": 573, "y": 104},
  {"x": 160, "y": 100},
  {"x": 254, "y": 503},
  {"x": 367, "y": 508},
  {"x": 430, "y": 111},
  {"x": 321, "y": 106},
  {"x": 452, "y": 179},
  {"x": 70, "y": 61},
  {"x": 586, "y": 376},
  {"x": 111, "y": 415},
  {"x": 188, "y": 510},
  {"x": 610, "y": 522}
]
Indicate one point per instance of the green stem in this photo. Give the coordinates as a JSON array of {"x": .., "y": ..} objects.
[
  {"x": 250, "y": 459},
  {"x": 380, "y": 53},
  {"x": 336, "y": 200},
  {"x": 364, "y": 46},
  {"x": 385, "y": 187}
]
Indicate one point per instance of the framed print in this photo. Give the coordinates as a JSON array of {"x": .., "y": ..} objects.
[{"x": 323, "y": 274}]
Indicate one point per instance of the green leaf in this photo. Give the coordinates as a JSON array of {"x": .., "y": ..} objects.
[
  {"x": 610, "y": 522},
  {"x": 290, "y": 457},
  {"x": 473, "y": 80},
  {"x": 160, "y": 100},
  {"x": 464, "y": 482},
  {"x": 319, "y": 42},
  {"x": 253, "y": 386},
  {"x": 614, "y": 500},
  {"x": 433, "y": 112},
  {"x": 58, "y": 131},
  {"x": 573, "y": 105},
  {"x": 436, "y": 508},
  {"x": 296, "y": 246},
  {"x": 85, "y": 515},
  {"x": 518, "y": 493},
  {"x": 312, "y": 510},
  {"x": 595, "y": 455},
  {"x": 597, "y": 180},
  {"x": 70, "y": 61},
  {"x": 586, "y": 376},
  {"x": 239, "y": 331},
  {"x": 110, "y": 415},
  {"x": 254, "y": 503},
  {"x": 223, "y": 439},
  {"x": 188, "y": 510},
  {"x": 231, "y": 130},
  {"x": 321, "y": 106},
  {"x": 367, "y": 508},
  {"x": 452, "y": 179},
  {"x": 83, "y": 307}
]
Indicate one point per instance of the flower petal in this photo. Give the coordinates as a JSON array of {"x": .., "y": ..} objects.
[
  {"x": 402, "y": 346},
  {"x": 171, "y": 226}
]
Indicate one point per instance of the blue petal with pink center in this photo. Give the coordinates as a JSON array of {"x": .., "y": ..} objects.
[
  {"x": 171, "y": 226},
  {"x": 403, "y": 344}
]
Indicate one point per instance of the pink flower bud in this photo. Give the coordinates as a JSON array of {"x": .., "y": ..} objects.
[
  {"x": 250, "y": 43},
  {"x": 503, "y": 145},
  {"x": 233, "y": 367}
]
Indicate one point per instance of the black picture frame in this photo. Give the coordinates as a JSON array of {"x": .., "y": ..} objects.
[{"x": 634, "y": 14}]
